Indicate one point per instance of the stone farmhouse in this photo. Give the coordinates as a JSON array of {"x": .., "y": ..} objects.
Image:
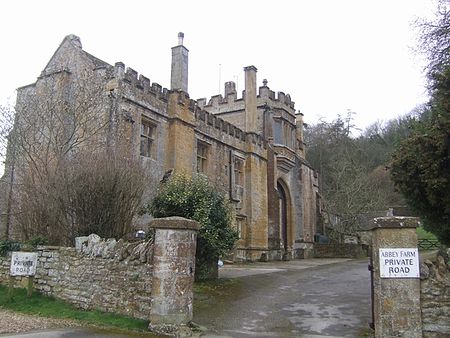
[{"x": 250, "y": 146}]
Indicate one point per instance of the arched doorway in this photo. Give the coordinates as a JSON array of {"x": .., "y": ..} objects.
[{"x": 283, "y": 215}]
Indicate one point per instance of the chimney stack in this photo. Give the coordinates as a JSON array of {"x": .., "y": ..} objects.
[
  {"x": 179, "y": 73},
  {"x": 230, "y": 88},
  {"x": 250, "y": 99}
]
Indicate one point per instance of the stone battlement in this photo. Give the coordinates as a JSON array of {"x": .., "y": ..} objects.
[
  {"x": 209, "y": 119},
  {"x": 206, "y": 118},
  {"x": 231, "y": 97},
  {"x": 183, "y": 99},
  {"x": 265, "y": 92},
  {"x": 139, "y": 81}
]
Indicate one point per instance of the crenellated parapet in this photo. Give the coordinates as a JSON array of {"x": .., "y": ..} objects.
[
  {"x": 256, "y": 139},
  {"x": 265, "y": 94},
  {"x": 184, "y": 100},
  {"x": 204, "y": 118},
  {"x": 280, "y": 99},
  {"x": 219, "y": 100},
  {"x": 217, "y": 124},
  {"x": 139, "y": 81}
]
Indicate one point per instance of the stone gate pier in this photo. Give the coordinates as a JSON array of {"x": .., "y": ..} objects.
[
  {"x": 146, "y": 279},
  {"x": 173, "y": 273},
  {"x": 396, "y": 278}
]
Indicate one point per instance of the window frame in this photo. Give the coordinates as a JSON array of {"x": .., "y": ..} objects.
[
  {"x": 147, "y": 136},
  {"x": 238, "y": 171},
  {"x": 202, "y": 158}
]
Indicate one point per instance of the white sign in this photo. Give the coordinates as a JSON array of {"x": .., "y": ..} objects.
[
  {"x": 23, "y": 263},
  {"x": 399, "y": 263}
]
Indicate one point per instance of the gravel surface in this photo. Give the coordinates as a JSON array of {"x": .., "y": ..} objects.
[{"x": 17, "y": 322}]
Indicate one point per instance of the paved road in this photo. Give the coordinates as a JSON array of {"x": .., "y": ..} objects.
[{"x": 304, "y": 298}]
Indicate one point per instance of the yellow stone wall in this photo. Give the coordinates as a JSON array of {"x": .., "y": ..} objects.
[
  {"x": 229, "y": 126},
  {"x": 256, "y": 202}
]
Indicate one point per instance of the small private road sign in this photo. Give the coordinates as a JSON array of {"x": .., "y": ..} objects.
[
  {"x": 399, "y": 263},
  {"x": 23, "y": 263}
]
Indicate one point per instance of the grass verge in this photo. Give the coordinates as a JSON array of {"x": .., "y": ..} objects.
[{"x": 41, "y": 305}]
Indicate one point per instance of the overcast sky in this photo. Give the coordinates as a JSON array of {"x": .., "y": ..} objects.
[{"x": 330, "y": 56}]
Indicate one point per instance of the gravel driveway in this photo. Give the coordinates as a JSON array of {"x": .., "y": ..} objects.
[{"x": 17, "y": 322}]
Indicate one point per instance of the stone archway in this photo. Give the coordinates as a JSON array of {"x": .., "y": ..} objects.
[{"x": 284, "y": 216}]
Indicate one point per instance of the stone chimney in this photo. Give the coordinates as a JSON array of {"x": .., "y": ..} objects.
[
  {"x": 300, "y": 146},
  {"x": 230, "y": 88},
  {"x": 179, "y": 74},
  {"x": 250, "y": 99}
]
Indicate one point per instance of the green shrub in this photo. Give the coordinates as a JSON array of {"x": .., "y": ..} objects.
[
  {"x": 8, "y": 245},
  {"x": 195, "y": 198},
  {"x": 37, "y": 240}
]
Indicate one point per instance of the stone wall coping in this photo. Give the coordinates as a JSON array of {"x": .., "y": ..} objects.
[
  {"x": 395, "y": 222},
  {"x": 174, "y": 222},
  {"x": 47, "y": 247}
]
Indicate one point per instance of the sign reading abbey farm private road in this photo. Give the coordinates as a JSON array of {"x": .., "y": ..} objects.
[
  {"x": 23, "y": 263},
  {"x": 399, "y": 263}
]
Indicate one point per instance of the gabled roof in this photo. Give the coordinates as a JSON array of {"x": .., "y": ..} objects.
[
  {"x": 97, "y": 62},
  {"x": 73, "y": 41}
]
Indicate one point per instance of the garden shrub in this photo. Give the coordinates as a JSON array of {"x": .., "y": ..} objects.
[{"x": 195, "y": 198}]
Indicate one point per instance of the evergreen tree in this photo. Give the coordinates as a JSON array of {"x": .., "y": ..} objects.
[
  {"x": 196, "y": 199},
  {"x": 421, "y": 165}
]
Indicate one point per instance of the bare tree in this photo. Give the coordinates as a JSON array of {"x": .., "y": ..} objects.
[
  {"x": 6, "y": 186},
  {"x": 57, "y": 117},
  {"x": 345, "y": 184},
  {"x": 348, "y": 195},
  {"x": 434, "y": 37},
  {"x": 72, "y": 174},
  {"x": 6, "y": 125},
  {"x": 90, "y": 193}
]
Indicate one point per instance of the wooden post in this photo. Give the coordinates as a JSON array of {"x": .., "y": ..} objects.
[
  {"x": 30, "y": 286},
  {"x": 10, "y": 287}
]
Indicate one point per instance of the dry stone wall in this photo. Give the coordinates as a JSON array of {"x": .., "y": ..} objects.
[
  {"x": 435, "y": 297},
  {"x": 108, "y": 275}
]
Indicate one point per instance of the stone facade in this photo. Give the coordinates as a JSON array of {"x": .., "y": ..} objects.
[{"x": 250, "y": 147}]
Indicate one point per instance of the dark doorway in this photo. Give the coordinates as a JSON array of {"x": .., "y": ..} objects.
[{"x": 283, "y": 214}]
